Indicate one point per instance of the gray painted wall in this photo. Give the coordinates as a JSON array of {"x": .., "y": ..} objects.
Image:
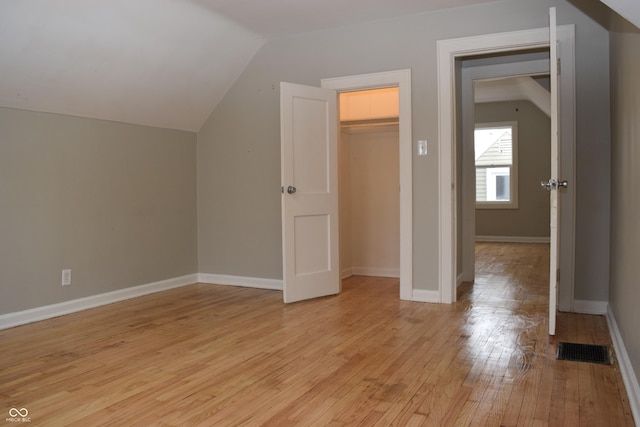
[
  {"x": 624, "y": 293},
  {"x": 531, "y": 219},
  {"x": 114, "y": 202},
  {"x": 593, "y": 155},
  {"x": 239, "y": 230}
]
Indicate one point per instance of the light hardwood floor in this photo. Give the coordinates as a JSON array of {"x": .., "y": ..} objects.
[{"x": 214, "y": 356}]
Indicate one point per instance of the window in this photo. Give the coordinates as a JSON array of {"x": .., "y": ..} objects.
[{"x": 496, "y": 158}]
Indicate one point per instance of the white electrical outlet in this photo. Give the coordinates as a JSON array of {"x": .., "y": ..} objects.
[{"x": 66, "y": 277}]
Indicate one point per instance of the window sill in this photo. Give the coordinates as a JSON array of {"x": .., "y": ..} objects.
[{"x": 496, "y": 205}]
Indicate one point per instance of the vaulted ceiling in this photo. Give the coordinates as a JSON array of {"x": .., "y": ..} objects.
[{"x": 163, "y": 63}]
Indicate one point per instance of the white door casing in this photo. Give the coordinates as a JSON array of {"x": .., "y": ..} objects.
[
  {"x": 309, "y": 172},
  {"x": 401, "y": 79},
  {"x": 448, "y": 52}
]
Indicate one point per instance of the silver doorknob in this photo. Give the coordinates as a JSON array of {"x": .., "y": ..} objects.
[
  {"x": 553, "y": 184},
  {"x": 291, "y": 189}
]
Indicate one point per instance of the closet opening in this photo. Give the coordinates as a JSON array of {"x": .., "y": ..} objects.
[{"x": 369, "y": 183}]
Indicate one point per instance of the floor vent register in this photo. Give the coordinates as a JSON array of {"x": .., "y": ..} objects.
[{"x": 584, "y": 353}]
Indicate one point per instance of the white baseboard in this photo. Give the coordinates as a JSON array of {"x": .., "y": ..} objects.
[
  {"x": 376, "y": 272},
  {"x": 247, "y": 282},
  {"x": 512, "y": 239},
  {"x": 459, "y": 280},
  {"x": 10, "y": 320},
  {"x": 629, "y": 377},
  {"x": 347, "y": 272},
  {"x": 590, "y": 307},
  {"x": 421, "y": 295}
]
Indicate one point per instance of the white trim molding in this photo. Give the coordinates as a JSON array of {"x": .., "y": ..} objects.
[
  {"x": 23, "y": 317},
  {"x": 401, "y": 79},
  {"x": 513, "y": 239},
  {"x": 629, "y": 377},
  {"x": 247, "y": 282},
  {"x": 447, "y": 53},
  {"x": 590, "y": 307}
]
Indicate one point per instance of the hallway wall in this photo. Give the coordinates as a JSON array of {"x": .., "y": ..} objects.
[
  {"x": 531, "y": 218},
  {"x": 624, "y": 285}
]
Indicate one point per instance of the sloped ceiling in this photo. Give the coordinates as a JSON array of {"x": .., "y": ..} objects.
[
  {"x": 628, "y": 9},
  {"x": 273, "y": 18},
  {"x": 514, "y": 89},
  {"x": 162, "y": 63}
]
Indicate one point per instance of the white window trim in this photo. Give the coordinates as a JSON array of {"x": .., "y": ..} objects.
[{"x": 513, "y": 203}]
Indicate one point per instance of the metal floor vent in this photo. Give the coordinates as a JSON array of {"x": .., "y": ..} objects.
[{"x": 584, "y": 353}]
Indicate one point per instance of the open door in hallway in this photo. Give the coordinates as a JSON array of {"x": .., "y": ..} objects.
[{"x": 553, "y": 183}]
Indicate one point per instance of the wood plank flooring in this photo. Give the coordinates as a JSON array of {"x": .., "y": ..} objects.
[{"x": 207, "y": 355}]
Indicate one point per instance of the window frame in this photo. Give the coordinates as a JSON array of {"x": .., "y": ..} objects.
[{"x": 513, "y": 175}]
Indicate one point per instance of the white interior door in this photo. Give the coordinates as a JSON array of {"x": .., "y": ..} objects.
[
  {"x": 553, "y": 183},
  {"x": 309, "y": 168}
]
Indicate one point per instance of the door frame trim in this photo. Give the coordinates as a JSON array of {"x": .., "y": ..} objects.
[
  {"x": 401, "y": 79},
  {"x": 447, "y": 53}
]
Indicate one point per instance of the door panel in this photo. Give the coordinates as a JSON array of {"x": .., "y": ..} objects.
[
  {"x": 312, "y": 258},
  {"x": 309, "y": 150},
  {"x": 310, "y": 153},
  {"x": 555, "y": 154}
]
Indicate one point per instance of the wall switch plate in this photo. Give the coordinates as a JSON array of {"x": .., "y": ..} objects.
[
  {"x": 422, "y": 147},
  {"x": 66, "y": 277}
]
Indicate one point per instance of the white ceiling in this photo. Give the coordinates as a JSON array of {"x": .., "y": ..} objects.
[
  {"x": 513, "y": 89},
  {"x": 628, "y": 9},
  {"x": 163, "y": 63},
  {"x": 281, "y": 17}
]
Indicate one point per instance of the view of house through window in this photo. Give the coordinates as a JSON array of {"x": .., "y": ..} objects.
[{"x": 495, "y": 147}]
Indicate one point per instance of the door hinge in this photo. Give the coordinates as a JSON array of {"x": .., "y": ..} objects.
[{"x": 557, "y": 275}]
